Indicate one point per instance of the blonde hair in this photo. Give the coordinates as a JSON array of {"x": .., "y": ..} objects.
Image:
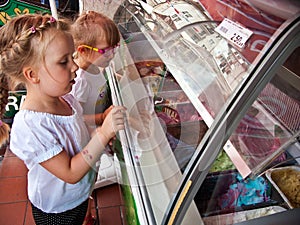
[
  {"x": 91, "y": 25},
  {"x": 4, "y": 128},
  {"x": 23, "y": 41}
]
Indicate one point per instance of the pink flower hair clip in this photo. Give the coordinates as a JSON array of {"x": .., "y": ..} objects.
[
  {"x": 32, "y": 29},
  {"x": 52, "y": 19}
]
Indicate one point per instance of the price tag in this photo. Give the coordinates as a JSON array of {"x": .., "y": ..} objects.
[{"x": 234, "y": 32}]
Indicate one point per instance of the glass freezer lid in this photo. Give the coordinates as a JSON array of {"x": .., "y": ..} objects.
[
  {"x": 181, "y": 73},
  {"x": 186, "y": 37}
]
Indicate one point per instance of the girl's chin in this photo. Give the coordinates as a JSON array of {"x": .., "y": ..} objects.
[{"x": 69, "y": 89}]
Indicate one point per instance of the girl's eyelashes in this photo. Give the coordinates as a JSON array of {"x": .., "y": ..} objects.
[
  {"x": 67, "y": 60},
  {"x": 64, "y": 62}
]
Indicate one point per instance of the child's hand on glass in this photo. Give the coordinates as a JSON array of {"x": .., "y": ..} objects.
[
  {"x": 106, "y": 112},
  {"x": 113, "y": 122}
]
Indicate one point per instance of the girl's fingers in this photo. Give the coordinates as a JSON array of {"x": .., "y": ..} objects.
[
  {"x": 118, "y": 116},
  {"x": 119, "y": 109}
]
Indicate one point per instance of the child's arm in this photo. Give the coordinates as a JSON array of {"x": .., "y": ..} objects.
[{"x": 72, "y": 170}]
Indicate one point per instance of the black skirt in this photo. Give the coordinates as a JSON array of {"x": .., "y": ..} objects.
[{"x": 71, "y": 217}]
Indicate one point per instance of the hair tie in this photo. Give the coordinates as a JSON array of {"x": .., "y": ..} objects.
[
  {"x": 32, "y": 29},
  {"x": 52, "y": 19},
  {"x": 1, "y": 123}
]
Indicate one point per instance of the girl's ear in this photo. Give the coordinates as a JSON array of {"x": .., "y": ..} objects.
[
  {"x": 81, "y": 49},
  {"x": 31, "y": 75}
]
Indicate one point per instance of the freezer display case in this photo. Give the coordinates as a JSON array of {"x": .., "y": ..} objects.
[{"x": 213, "y": 110}]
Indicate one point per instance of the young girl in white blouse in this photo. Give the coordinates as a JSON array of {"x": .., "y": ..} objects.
[{"x": 49, "y": 133}]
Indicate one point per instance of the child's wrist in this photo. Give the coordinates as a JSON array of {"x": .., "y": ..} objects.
[{"x": 104, "y": 138}]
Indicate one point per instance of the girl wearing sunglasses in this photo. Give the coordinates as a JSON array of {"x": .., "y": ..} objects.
[{"x": 96, "y": 39}]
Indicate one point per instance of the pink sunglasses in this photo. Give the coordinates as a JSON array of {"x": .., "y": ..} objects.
[{"x": 104, "y": 51}]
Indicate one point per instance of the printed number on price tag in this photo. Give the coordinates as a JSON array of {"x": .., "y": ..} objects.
[{"x": 234, "y": 32}]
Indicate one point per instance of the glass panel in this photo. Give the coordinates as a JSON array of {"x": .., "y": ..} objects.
[
  {"x": 267, "y": 138},
  {"x": 164, "y": 128},
  {"x": 173, "y": 89},
  {"x": 171, "y": 104},
  {"x": 273, "y": 119}
]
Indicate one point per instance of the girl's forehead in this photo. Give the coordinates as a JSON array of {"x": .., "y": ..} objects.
[{"x": 62, "y": 36}]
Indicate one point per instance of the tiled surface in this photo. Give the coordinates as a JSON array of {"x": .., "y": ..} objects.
[
  {"x": 109, "y": 196},
  {"x": 111, "y": 215},
  {"x": 15, "y": 209},
  {"x": 110, "y": 205}
]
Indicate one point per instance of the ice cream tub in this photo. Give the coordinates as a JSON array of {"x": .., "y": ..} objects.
[
  {"x": 225, "y": 192},
  {"x": 286, "y": 180},
  {"x": 236, "y": 217}
]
